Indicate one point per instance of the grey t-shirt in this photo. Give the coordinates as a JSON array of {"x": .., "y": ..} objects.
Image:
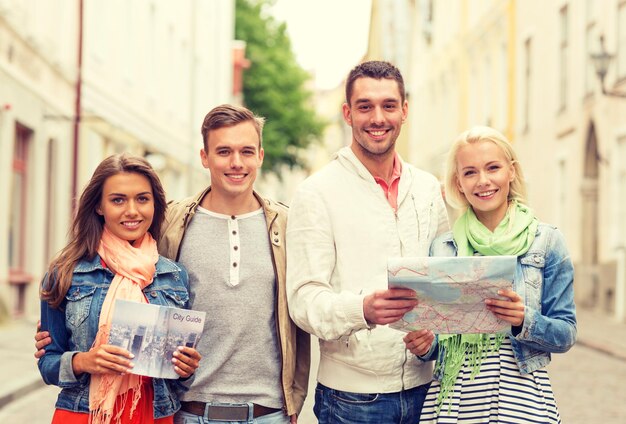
[{"x": 232, "y": 278}]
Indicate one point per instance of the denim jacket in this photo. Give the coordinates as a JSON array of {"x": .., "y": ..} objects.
[
  {"x": 74, "y": 325},
  {"x": 544, "y": 278}
]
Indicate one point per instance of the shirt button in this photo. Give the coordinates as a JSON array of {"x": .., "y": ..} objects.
[
  {"x": 234, "y": 264},
  {"x": 153, "y": 294},
  {"x": 232, "y": 217},
  {"x": 537, "y": 260},
  {"x": 236, "y": 247},
  {"x": 275, "y": 240},
  {"x": 234, "y": 232},
  {"x": 275, "y": 233}
]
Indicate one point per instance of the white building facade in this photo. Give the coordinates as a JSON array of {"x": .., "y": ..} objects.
[{"x": 150, "y": 72}]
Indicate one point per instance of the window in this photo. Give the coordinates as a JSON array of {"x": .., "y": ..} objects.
[
  {"x": 153, "y": 51},
  {"x": 621, "y": 40},
  {"x": 444, "y": 101},
  {"x": 473, "y": 94},
  {"x": 18, "y": 277},
  {"x": 527, "y": 82},
  {"x": 486, "y": 117},
  {"x": 51, "y": 197},
  {"x": 98, "y": 16},
  {"x": 426, "y": 13},
  {"x": 561, "y": 194},
  {"x": 128, "y": 48},
  {"x": 621, "y": 192},
  {"x": 501, "y": 111},
  {"x": 591, "y": 47},
  {"x": 563, "y": 54},
  {"x": 17, "y": 228},
  {"x": 170, "y": 72}
]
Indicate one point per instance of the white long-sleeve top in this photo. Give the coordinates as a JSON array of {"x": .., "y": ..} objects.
[{"x": 340, "y": 232}]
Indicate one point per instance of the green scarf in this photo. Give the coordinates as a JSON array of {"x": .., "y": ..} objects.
[{"x": 513, "y": 236}]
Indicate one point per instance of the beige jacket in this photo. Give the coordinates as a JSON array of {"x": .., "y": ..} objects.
[{"x": 294, "y": 343}]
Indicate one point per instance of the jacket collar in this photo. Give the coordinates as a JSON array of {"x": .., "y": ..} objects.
[
  {"x": 163, "y": 265},
  {"x": 88, "y": 265},
  {"x": 348, "y": 159},
  {"x": 266, "y": 204},
  {"x": 448, "y": 237},
  {"x": 268, "y": 208}
]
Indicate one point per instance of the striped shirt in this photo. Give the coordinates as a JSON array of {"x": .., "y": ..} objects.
[{"x": 498, "y": 394}]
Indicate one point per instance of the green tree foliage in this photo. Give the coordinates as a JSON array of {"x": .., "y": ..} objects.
[{"x": 274, "y": 86}]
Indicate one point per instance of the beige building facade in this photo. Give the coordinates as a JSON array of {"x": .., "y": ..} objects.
[
  {"x": 523, "y": 67},
  {"x": 390, "y": 39}
]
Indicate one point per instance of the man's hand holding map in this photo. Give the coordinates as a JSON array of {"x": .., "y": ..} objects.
[{"x": 451, "y": 292}]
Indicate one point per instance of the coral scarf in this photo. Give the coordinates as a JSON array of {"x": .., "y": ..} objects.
[{"x": 134, "y": 267}]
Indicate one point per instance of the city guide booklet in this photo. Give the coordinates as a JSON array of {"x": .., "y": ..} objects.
[
  {"x": 152, "y": 333},
  {"x": 451, "y": 292}
]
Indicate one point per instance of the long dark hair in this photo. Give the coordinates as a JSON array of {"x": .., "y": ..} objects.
[{"x": 86, "y": 228}]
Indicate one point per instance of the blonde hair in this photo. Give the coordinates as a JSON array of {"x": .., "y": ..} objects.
[{"x": 454, "y": 197}]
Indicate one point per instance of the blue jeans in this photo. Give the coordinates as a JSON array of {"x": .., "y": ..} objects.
[
  {"x": 183, "y": 417},
  {"x": 337, "y": 407}
]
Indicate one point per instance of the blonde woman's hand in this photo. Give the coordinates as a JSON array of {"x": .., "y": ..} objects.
[
  {"x": 186, "y": 360},
  {"x": 510, "y": 310},
  {"x": 104, "y": 359},
  {"x": 418, "y": 342}
]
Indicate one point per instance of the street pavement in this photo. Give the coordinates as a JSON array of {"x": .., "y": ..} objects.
[{"x": 589, "y": 381}]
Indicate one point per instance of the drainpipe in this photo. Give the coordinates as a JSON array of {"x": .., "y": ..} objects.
[
  {"x": 77, "y": 109},
  {"x": 620, "y": 284},
  {"x": 192, "y": 154}
]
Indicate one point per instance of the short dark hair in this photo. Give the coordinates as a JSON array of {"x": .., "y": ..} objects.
[
  {"x": 374, "y": 69},
  {"x": 227, "y": 115}
]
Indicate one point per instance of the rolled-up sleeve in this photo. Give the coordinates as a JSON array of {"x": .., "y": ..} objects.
[
  {"x": 55, "y": 366},
  {"x": 553, "y": 329}
]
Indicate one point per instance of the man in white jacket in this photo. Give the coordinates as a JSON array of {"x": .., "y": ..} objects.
[{"x": 345, "y": 221}]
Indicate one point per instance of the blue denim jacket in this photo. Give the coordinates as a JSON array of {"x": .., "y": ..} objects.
[
  {"x": 74, "y": 325},
  {"x": 544, "y": 278}
]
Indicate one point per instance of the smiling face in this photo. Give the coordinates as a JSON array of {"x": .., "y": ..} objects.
[
  {"x": 233, "y": 157},
  {"x": 376, "y": 112},
  {"x": 127, "y": 205},
  {"x": 484, "y": 175}
]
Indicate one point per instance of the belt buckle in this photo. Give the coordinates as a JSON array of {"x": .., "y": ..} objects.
[{"x": 217, "y": 411}]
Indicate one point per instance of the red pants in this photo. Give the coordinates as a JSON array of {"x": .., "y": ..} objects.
[{"x": 144, "y": 413}]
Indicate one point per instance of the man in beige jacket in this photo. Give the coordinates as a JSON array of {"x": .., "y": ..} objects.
[{"x": 232, "y": 242}]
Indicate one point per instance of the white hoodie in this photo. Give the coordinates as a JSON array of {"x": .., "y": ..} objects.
[{"x": 340, "y": 232}]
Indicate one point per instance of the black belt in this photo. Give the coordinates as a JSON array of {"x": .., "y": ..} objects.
[{"x": 225, "y": 412}]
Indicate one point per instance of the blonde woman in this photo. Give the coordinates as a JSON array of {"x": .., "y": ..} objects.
[{"x": 482, "y": 378}]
